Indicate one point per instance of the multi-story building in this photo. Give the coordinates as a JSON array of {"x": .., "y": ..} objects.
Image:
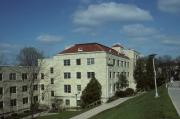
[
  {"x": 14, "y": 90},
  {"x": 74, "y": 67}
]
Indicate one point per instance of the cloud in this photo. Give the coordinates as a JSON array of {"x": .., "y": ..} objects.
[
  {"x": 138, "y": 30},
  {"x": 171, "y": 40},
  {"x": 82, "y": 30},
  {"x": 49, "y": 39},
  {"x": 110, "y": 12},
  {"x": 170, "y": 6}
]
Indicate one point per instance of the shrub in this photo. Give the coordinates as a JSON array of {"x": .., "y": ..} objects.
[
  {"x": 129, "y": 92},
  {"x": 120, "y": 94},
  {"x": 112, "y": 99}
]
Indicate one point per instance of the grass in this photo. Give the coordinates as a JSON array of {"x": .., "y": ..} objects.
[
  {"x": 143, "y": 107},
  {"x": 62, "y": 115}
]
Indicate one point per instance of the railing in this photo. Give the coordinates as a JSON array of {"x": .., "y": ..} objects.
[{"x": 98, "y": 102}]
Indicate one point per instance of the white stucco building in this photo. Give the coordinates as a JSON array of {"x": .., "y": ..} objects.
[{"x": 69, "y": 72}]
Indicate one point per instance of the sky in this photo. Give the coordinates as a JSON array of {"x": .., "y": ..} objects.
[{"x": 148, "y": 26}]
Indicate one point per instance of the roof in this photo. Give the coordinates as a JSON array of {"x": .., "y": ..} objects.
[
  {"x": 117, "y": 45},
  {"x": 92, "y": 47}
]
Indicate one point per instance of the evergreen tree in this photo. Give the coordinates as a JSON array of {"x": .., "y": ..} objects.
[
  {"x": 91, "y": 93},
  {"x": 122, "y": 82}
]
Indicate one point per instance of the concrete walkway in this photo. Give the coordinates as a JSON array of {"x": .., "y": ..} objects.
[
  {"x": 100, "y": 108},
  {"x": 174, "y": 93}
]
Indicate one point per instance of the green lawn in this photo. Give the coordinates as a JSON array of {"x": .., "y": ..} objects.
[
  {"x": 62, "y": 115},
  {"x": 143, "y": 107}
]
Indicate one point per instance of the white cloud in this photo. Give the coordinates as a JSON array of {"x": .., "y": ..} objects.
[
  {"x": 49, "y": 39},
  {"x": 82, "y": 29},
  {"x": 110, "y": 12},
  {"x": 171, "y": 6},
  {"x": 171, "y": 40},
  {"x": 138, "y": 30}
]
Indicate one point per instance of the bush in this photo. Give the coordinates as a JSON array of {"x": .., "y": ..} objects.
[
  {"x": 112, "y": 99},
  {"x": 120, "y": 94},
  {"x": 129, "y": 92}
]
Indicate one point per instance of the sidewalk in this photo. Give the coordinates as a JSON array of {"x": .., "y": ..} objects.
[
  {"x": 100, "y": 108},
  {"x": 174, "y": 93}
]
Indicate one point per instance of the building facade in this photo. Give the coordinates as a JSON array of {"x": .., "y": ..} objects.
[{"x": 74, "y": 67}]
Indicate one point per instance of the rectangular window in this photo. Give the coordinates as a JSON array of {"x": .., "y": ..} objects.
[
  {"x": 78, "y": 102},
  {"x": 25, "y": 100},
  {"x": 35, "y": 98},
  {"x": 110, "y": 75},
  {"x": 67, "y": 101},
  {"x": 78, "y": 61},
  {"x": 1, "y": 76},
  {"x": 67, "y": 88},
  {"x": 42, "y": 75},
  {"x": 52, "y": 80},
  {"x": 90, "y": 75},
  {"x": 78, "y": 75},
  {"x": 24, "y": 76},
  {"x": 12, "y": 76},
  {"x": 13, "y": 89},
  {"x": 117, "y": 62},
  {"x": 67, "y": 75},
  {"x": 35, "y": 75},
  {"x": 67, "y": 62},
  {"x": 114, "y": 73},
  {"x": 128, "y": 74},
  {"x": 90, "y": 61},
  {"x": 24, "y": 88},
  {"x": 35, "y": 87},
  {"x": 78, "y": 88},
  {"x": 13, "y": 102},
  {"x": 114, "y": 62},
  {"x": 128, "y": 64},
  {"x": 122, "y": 63},
  {"x": 51, "y": 70},
  {"x": 52, "y": 93},
  {"x": 1, "y": 104},
  {"x": 1, "y": 91},
  {"x": 42, "y": 86}
]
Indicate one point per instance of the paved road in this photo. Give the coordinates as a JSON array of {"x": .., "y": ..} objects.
[
  {"x": 100, "y": 108},
  {"x": 174, "y": 93}
]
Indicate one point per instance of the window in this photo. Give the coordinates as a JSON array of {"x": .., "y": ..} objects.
[
  {"x": 67, "y": 62},
  {"x": 114, "y": 73},
  {"x": 25, "y": 100},
  {"x": 52, "y": 80},
  {"x": 78, "y": 75},
  {"x": 35, "y": 98},
  {"x": 67, "y": 88},
  {"x": 78, "y": 102},
  {"x": 78, "y": 61},
  {"x": 42, "y": 86},
  {"x": 35, "y": 75},
  {"x": 125, "y": 64},
  {"x": 24, "y": 76},
  {"x": 12, "y": 76},
  {"x": 128, "y": 74},
  {"x": 90, "y": 75},
  {"x": 90, "y": 61},
  {"x": 1, "y": 76},
  {"x": 67, "y": 101},
  {"x": 52, "y": 93},
  {"x": 42, "y": 97},
  {"x": 35, "y": 87},
  {"x": 122, "y": 63},
  {"x": 117, "y": 62},
  {"x": 1, "y": 104},
  {"x": 51, "y": 70},
  {"x": 67, "y": 75},
  {"x": 13, "y": 102},
  {"x": 78, "y": 88},
  {"x": 128, "y": 64},
  {"x": 42, "y": 75},
  {"x": 114, "y": 62},
  {"x": 13, "y": 89},
  {"x": 1, "y": 91},
  {"x": 24, "y": 88},
  {"x": 110, "y": 75}
]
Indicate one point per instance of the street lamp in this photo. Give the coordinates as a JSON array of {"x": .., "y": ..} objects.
[{"x": 156, "y": 94}]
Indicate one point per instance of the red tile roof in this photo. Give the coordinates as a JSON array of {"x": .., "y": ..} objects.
[{"x": 92, "y": 47}]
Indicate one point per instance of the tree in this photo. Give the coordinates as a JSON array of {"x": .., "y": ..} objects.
[
  {"x": 91, "y": 93},
  {"x": 122, "y": 82},
  {"x": 29, "y": 57}
]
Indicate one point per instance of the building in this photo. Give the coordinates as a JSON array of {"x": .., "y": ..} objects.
[
  {"x": 71, "y": 70},
  {"x": 14, "y": 90}
]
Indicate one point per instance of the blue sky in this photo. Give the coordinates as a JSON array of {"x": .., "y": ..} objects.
[{"x": 149, "y": 26}]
